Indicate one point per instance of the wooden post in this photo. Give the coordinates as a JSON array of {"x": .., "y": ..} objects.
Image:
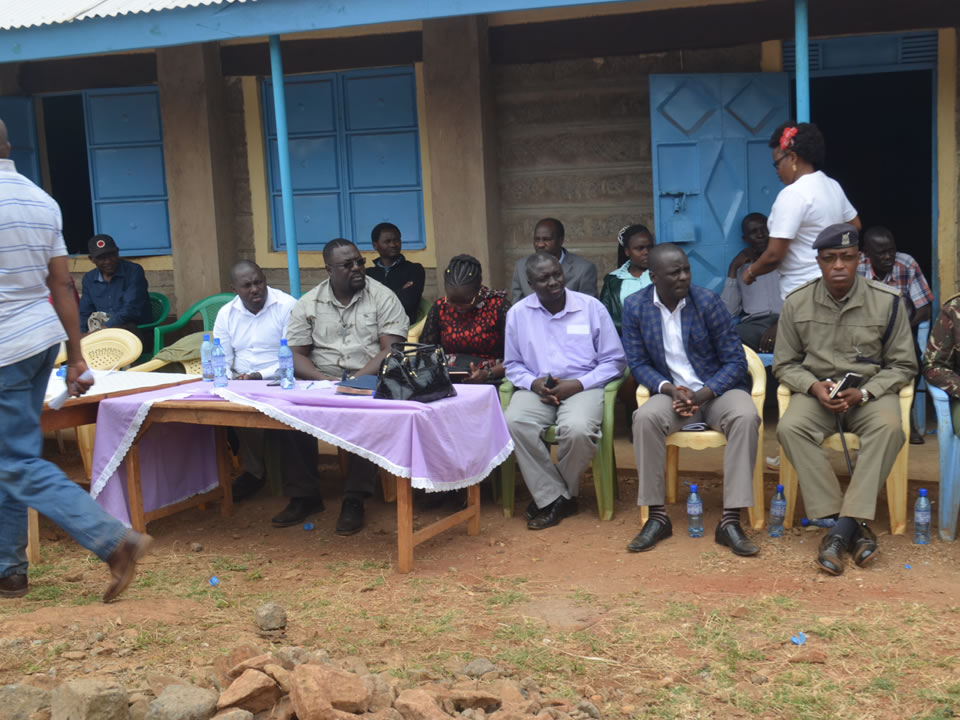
[
  {"x": 404, "y": 525},
  {"x": 224, "y": 464},
  {"x": 134, "y": 491},
  {"x": 473, "y": 502},
  {"x": 33, "y": 536}
]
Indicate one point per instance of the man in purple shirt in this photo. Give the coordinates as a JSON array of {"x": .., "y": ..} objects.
[{"x": 561, "y": 349}]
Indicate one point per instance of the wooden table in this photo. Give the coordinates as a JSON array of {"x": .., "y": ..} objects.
[
  {"x": 74, "y": 413},
  {"x": 222, "y": 415}
]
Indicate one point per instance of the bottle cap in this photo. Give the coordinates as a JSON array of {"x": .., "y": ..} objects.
[
  {"x": 805, "y": 522},
  {"x": 206, "y": 337},
  {"x": 693, "y": 488},
  {"x": 923, "y": 492},
  {"x": 216, "y": 341},
  {"x": 779, "y": 488},
  {"x": 283, "y": 342}
]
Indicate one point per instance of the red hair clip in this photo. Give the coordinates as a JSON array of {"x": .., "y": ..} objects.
[{"x": 786, "y": 139}]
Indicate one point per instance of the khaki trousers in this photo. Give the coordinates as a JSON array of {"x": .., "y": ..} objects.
[
  {"x": 801, "y": 432},
  {"x": 578, "y": 434},
  {"x": 733, "y": 414}
]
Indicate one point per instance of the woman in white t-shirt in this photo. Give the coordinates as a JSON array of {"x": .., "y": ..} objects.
[{"x": 810, "y": 202}]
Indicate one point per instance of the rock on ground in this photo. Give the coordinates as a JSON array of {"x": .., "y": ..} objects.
[
  {"x": 90, "y": 699},
  {"x": 253, "y": 691},
  {"x": 183, "y": 702},
  {"x": 478, "y": 666},
  {"x": 234, "y": 714},
  {"x": 271, "y": 617},
  {"x": 342, "y": 690},
  {"x": 19, "y": 702},
  {"x": 419, "y": 705}
]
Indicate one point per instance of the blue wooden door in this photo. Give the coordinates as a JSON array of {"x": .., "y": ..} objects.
[
  {"x": 127, "y": 181},
  {"x": 711, "y": 162},
  {"x": 17, "y": 113}
]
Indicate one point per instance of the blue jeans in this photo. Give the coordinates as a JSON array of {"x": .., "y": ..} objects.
[{"x": 27, "y": 480}]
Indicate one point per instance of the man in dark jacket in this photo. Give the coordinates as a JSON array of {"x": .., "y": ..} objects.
[{"x": 392, "y": 269}]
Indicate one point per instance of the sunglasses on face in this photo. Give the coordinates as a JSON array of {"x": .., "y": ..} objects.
[{"x": 349, "y": 264}]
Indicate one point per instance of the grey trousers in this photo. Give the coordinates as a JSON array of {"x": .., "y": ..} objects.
[
  {"x": 251, "y": 450},
  {"x": 801, "y": 432},
  {"x": 733, "y": 414},
  {"x": 578, "y": 434}
]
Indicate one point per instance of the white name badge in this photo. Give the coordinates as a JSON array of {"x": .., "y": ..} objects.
[{"x": 578, "y": 329}]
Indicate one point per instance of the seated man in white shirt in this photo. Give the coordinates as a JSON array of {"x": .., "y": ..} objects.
[{"x": 250, "y": 328}]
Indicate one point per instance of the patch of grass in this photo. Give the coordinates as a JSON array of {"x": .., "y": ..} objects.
[
  {"x": 505, "y": 598},
  {"x": 45, "y": 593},
  {"x": 221, "y": 564}
]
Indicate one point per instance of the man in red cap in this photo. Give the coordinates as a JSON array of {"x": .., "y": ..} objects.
[{"x": 114, "y": 294}]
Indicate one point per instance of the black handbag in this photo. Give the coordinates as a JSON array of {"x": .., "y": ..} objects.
[{"x": 412, "y": 371}]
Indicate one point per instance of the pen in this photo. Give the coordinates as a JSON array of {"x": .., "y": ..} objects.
[{"x": 310, "y": 385}]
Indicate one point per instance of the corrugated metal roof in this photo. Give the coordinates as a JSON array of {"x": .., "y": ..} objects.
[{"x": 22, "y": 13}]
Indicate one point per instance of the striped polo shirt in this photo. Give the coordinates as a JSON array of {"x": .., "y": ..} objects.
[{"x": 31, "y": 233}]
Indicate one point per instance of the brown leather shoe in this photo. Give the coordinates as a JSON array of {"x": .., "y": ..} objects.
[
  {"x": 123, "y": 562},
  {"x": 14, "y": 586}
]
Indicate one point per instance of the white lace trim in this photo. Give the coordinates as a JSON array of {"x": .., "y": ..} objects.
[
  {"x": 126, "y": 441},
  {"x": 421, "y": 483}
]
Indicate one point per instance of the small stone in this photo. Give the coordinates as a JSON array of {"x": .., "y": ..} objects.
[
  {"x": 74, "y": 577},
  {"x": 196, "y": 547},
  {"x": 418, "y": 705},
  {"x": 90, "y": 699},
  {"x": 758, "y": 679},
  {"x": 585, "y": 706},
  {"x": 479, "y": 666},
  {"x": 253, "y": 691},
  {"x": 666, "y": 681},
  {"x": 183, "y": 702},
  {"x": 73, "y": 655},
  {"x": 381, "y": 692},
  {"x": 628, "y": 709},
  {"x": 806, "y": 655},
  {"x": 271, "y": 617},
  {"x": 234, "y": 714}
]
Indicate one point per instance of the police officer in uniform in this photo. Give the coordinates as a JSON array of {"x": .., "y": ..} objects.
[{"x": 841, "y": 323}]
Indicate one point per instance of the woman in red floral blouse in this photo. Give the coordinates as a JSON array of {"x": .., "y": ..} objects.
[{"x": 469, "y": 322}]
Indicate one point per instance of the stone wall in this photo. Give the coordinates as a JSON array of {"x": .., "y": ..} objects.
[{"x": 574, "y": 143}]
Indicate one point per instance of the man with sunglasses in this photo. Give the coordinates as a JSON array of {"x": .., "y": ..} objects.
[{"x": 345, "y": 325}]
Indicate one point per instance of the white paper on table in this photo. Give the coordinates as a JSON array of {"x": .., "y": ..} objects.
[
  {"x": 109, "y": 381},
  {"x": 316, "y": 385}
]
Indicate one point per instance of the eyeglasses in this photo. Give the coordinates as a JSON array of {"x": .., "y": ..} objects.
[
  {"x": 349, "y": 264},
  {"x": 776, "y": 163}
]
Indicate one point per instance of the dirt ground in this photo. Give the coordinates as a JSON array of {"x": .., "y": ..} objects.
[{"x": 688, "y": 630}]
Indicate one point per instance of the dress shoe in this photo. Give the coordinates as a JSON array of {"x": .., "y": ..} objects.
[
  {"x": 864, "y": 545},
  {"x": 532, "y": 511},
  {"x": 733, "y": 536},
  {"x": 298, "y": 510},
  {"x": 653, "y": 532},
  {"x": 350, "y": 520},
  {"x": 553, "y": 513},
  {"x": 916, "y": 438},
  {"x": 14, "y": 586},
  {"x": 830, "y": 556},
  {"x": 123, "y": 562},
  {"x": 246, "y": 486}
]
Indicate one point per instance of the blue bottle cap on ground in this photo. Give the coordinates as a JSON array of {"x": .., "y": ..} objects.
[
  {"x": 779, "y": 488},
  {"x": 206, "y": 336},
  {"x": 923, "y": 492},
  {"x": 693, "y": 488},
  {"x": 214, "y": 581},
  {"x": 308, "y": 526},
  {"x": 805, "y": 522}
]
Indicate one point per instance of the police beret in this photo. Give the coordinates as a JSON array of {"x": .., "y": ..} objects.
[{"x": 841, "y": 235}]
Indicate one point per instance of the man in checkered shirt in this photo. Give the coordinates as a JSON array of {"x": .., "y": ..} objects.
[{"x": 880, "y": 261}]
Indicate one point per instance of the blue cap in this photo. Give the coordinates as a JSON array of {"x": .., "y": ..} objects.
[
  {"x": 779, "y": 488},
  {"x": 805, "y": 522},
  {"x": 283, "y": 341},
  {"x": 923, "y": 492},
  {"x": 216, "y": 341},
  {"x": 206, "y": 336},
  {"x": 693, "y": 488}
]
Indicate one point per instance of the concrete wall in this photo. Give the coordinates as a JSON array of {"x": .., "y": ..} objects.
[{"x": 574, "y": 143}]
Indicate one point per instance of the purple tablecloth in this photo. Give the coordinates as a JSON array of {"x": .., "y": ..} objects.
[{"x": 444, "y": 445}]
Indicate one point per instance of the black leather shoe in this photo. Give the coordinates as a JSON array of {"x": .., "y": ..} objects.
[
  {"x": 14, "y": 586},
  {"x": 351, "y": 517},
  {"x": 532, "y": 511},
  {"x": 864, "y": 545},
  {"x": 298, "y": 510},
  {"x": 553, "y": 513},
  {"x": 246, "y": 486},
  {"x": 733, "y": 536},
  {"x": 830, "y": 556},
  {"x": 653, "y": 532}
]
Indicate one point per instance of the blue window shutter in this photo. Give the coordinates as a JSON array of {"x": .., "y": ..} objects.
[
  {"x": 18, "y": 115},
  {"x": 127, "y": 181},
  {"x": 354, "y": 156},
  {"x": 711, "y": 163}
]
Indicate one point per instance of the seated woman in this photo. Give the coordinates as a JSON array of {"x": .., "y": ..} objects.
[
  {"x": 469, "y": 323},
  {"x": 635, "y": 243}
]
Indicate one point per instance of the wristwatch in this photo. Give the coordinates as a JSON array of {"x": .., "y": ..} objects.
[{"x": 864, "y": 397}]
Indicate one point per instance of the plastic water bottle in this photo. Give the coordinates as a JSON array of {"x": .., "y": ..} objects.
[
  {"x": 778, "y": 510},
  {"x": 695, "y": 513},
  {"x": 219, "y": 359},
  {"x": 285, "y": 360},
  {"x": 818, "y": 522},
  {"x": 921, "y": 519},
  {"x": 206, "y": 358}
]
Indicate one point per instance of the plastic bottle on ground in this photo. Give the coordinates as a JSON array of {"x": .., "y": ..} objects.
[
  {"x": 219, "y": 359},
  {"x": 695, "y": 513},
  {"x": 818, "y": 522},
  {"x": 921, "y": 519},
  {"x": 778, "y": 510},
  {"x": 285, "y": 361},
  {"x": 206, "y": 358}
]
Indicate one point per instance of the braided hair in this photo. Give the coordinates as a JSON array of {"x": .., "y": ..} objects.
[
  {"x": 804, "y": 139},
  {"x": 463, "y": 271}
]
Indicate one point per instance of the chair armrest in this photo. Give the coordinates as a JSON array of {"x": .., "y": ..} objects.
[
  {"x": 643, "y": 394},
  {"x": 611, "y": 389},
  {"x": 161, "y": 330},
  {"x": 938, "y": 396}
]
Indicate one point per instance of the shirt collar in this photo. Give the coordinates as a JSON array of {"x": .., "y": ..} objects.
[
  {"x": 119, "y": 272},
  {"x": 563, "y": 254},
  {"x": 570, "y": 304},
  {"x": 399, "y": 261},
  {"x": 624, "y": 272},
  {"x": 656, "y": 301},
  {"x": 7, "y": 165},
  {"x": 325, "y": 294},
  {"x": 271, "y": 299}
]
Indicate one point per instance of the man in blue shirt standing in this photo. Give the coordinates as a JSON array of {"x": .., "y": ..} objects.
[{"x": 114, "y": 295}]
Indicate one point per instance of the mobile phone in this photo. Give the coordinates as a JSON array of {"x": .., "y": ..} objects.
[
  {"x": 850, "y": 380},
  {"x": 550, "y": 382}
]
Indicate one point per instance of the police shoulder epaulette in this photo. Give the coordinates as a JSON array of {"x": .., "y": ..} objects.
[
  {"x": 877, "y": 285},
  {"x": 808, "y": 283}
]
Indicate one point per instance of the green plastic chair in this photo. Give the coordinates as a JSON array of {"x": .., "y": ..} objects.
[
  {"x": 604, "y": 462},
  {"x": 160, "y": 306},
  {"x": 206, "y": 308}
]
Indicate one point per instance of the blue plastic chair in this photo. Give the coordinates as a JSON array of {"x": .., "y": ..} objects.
[
  {"x": 920, "y": 396},
  {"x": 949, "y": 464}
]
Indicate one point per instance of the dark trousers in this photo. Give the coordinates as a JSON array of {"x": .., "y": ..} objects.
[
  {"x": 300, "y": 476},
  {"x": 752, "y": 329}
]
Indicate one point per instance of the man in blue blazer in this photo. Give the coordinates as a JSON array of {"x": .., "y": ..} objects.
[{"x": 681, "y": 343}]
